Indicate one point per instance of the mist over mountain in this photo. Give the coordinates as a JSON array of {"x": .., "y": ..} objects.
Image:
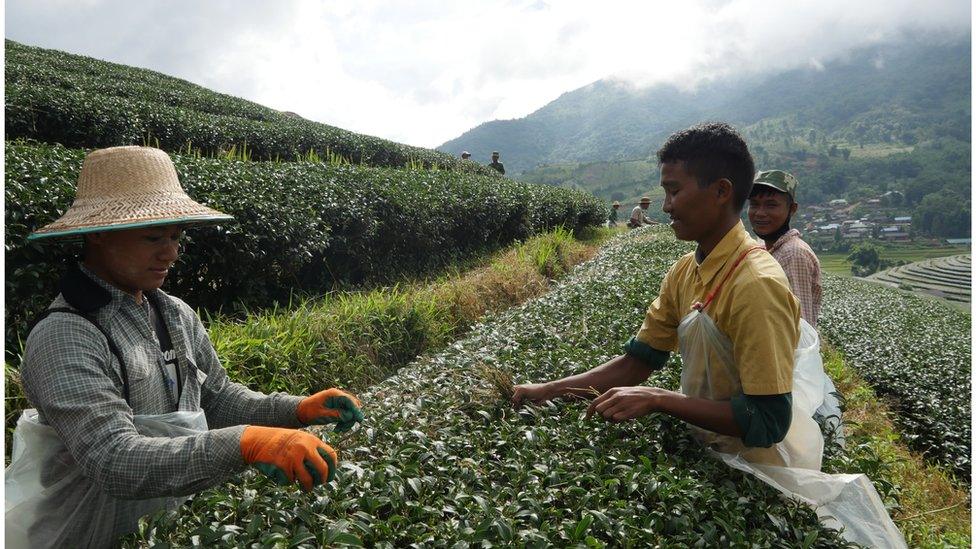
[{"x": 895, "y": 93}]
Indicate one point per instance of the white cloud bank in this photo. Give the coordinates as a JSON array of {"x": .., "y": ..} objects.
[{"x": 424, "y": 72}]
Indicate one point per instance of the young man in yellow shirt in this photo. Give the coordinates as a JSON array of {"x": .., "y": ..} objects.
[{"x": 737, "y": 394}]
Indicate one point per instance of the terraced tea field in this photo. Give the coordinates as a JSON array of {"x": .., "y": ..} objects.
[
  {"x": 838, "y": 264},
  {"x": 946, "y": 277}
]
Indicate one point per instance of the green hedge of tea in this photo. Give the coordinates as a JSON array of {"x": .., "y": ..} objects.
[
  {"x": 915, "y": 351},
  {"x": 442, "y": 460},
  {"x": 301, "y": 226},
  {"x": 78, "y": 101}
]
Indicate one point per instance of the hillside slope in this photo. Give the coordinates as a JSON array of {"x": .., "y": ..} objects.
[
  {"x": 893, "y": 93},
  {"x": 78, "y": 101}
]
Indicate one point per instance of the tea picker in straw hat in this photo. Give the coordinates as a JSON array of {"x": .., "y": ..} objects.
[
  {"x": 637, "y": 216},
  {"x": 132, "y": 408},
  {"x": 612, "y": 218}
]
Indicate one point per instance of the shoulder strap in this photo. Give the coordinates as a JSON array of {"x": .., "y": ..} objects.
[
  {"x": 111, "y": 343},
  {"x": 699, "y": 306}
]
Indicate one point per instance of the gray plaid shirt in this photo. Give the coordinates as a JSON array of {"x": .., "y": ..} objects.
[{"x": 72, "y": 378}]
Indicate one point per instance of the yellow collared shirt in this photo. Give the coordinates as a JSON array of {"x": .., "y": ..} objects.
[{"x": 755, "y": 309}]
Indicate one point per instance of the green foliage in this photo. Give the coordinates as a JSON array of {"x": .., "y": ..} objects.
[
  {"x": 357, "y": 339},
  {"x": 944, "y": 213},
  {"x": 300, "y": 226},
  {"x": 549, "y": 254},
  {"x": 865, "y": 259},
  {"x": 348, "y": 340},
  {"x": 855, "y": 128},
  {"x": 78, "y": 101},
  {"x": 443, "y": 460},
  {"x": 915, "y": 351}
]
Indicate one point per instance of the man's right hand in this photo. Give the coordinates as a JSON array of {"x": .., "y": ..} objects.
[
  {"x": 287, "y": 455},
  {"x": 536, "y": 393}
]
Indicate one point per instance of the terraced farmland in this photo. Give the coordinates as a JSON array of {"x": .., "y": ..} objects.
[{"x": 946, "y": 277}]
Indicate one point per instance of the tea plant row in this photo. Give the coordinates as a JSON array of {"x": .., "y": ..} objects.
[
  {"x": 442, "y": 459},
  {"x": 78, "y": 101},
  {"x": 916, "y": 351},
  {"x": 946, "y": 277},
  {"x": 304, "y": 226}
]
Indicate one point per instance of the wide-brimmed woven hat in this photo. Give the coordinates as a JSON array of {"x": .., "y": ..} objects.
[{"x": 128, "y": 188}]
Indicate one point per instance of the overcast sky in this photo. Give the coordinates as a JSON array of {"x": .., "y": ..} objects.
[{"x": 424, "y": 72}]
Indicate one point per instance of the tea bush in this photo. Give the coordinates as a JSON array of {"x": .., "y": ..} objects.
[
  {"x": 78, "y": 101},
  {"x": 915, "y": 351},
  {"x": 304, "y": 226},
  {"x": 442, "y": 460}
]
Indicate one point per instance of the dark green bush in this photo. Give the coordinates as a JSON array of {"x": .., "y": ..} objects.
[
  {"x": 301, "y": 226},
  {"x": 77, "y": 101}
]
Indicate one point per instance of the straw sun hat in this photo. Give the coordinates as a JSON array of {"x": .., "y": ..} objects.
[{"x": 128, "y": 188}]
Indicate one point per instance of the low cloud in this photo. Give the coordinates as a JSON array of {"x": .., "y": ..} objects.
[{"x": 425, "y": 72}]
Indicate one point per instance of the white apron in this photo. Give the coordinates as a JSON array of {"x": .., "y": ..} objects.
[
  {"x": 792, "y": 466},
  {"x": 49, "y": 500}
]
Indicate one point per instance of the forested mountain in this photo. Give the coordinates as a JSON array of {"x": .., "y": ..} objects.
[{"x": 895, "y": 116}]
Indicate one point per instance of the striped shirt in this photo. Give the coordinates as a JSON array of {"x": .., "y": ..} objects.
[{"x": 802, "y": 268}]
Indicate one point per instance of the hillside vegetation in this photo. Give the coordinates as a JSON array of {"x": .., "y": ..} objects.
[
  {"x": 78, "y": 101},
  {"x": 950, "y": 277},
  {"x": 914, "y": 351},
  {"x": 308, "y": 224},
  {"x": 903, "y": 93},
  {"x": 895, "y": 116}
]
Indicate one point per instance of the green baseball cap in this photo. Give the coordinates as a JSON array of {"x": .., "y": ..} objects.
[{"x": 779, "y": 180}]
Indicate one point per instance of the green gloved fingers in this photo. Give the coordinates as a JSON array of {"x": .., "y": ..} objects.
[
  {"x": 274, "y": 473},
  {"x": 330, "y": 406},
  {"x": 316, "y": 476}
]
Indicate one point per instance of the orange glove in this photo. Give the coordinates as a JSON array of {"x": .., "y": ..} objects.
[
  {"x": 289, "y": 454},
  {"x": 330, "y": 406}
]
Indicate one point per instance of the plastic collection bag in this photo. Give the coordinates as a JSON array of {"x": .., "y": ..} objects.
[
  {"x": 51, "y": 503},
  {"x": 847, "y": 501},
  {"x": 708, "y": 371}
]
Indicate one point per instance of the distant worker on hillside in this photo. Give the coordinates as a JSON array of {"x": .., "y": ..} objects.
[
  {"x": 499, "y": 167},
  {"x": 772, "y": 203},
  {"x": 132, "y": 409},
  {"x": 465, "y": 155},
  {"x": 637, "y": 216},
  {"x": 612, "y": 218}
]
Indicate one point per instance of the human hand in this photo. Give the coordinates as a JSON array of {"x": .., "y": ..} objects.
[
  {"x": 536, "y": 393},
  {"x": 287, "y": 455},
  {"x": 330, "y": 406},
  {"x": 623, "y": 403}
]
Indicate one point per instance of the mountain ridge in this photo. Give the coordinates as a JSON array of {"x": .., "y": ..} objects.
[{"x": 924, "y": 85}]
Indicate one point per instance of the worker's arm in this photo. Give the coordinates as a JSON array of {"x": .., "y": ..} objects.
[
  {"x": 633, "y": 367},
  {"x": 69, "y": 375},
  {"x": 620, "y": 370},
  {"x": 226, "y": 402},
  {"x": 759, "y": 420}
]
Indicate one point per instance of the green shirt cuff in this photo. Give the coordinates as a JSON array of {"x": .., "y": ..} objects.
[
  {"x": 763, "y": 419},
  {"x": 649, "y": 356}
]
